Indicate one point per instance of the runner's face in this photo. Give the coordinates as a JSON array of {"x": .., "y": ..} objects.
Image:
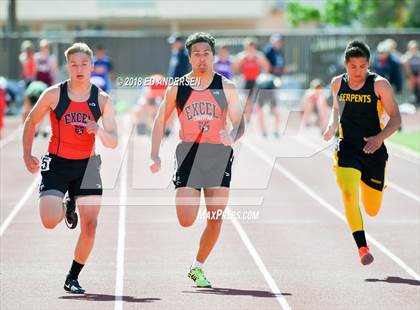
[
  {"x": 357, "y": 68},
  {"x": 80, "y": 67},
  {"x": 201, "y": 58}
]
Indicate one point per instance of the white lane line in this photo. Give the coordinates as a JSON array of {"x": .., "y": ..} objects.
[
  {"x": 390, "y": 184},
  {"x": 408, "y": 159},
  {"x": 19, "y": 206},
  {"x": 329, "y": 207},
  {"x": 122, "y": 206},
  {"x": 414, "y": 156},
  {"x": 258, "y": 261},
  {"x": 403, "y": 191},
  {"x": 10, "y": 137}
]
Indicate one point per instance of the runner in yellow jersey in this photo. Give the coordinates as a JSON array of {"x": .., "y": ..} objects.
[{"x": 360, "y": 97}]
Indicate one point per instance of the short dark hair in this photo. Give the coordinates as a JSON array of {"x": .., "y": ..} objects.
[
  {"x": 356, "y": 48},
  {"x": 199, "y": 37}
]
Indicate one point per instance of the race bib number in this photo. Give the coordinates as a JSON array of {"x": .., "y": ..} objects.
[{"x": 45, "y": 163}]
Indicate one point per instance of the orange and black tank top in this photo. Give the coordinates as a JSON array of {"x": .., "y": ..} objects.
[
  {"x": 69, "y": 138},
  {"x": 361, "y": 110},
  {"x": 202, "y": 113}
]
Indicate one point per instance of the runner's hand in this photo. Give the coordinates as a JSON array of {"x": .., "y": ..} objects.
[
  {"x": 32, "y": 163},
  {"x": 155, "y": 164},
  {"x": 373, "y": 143},
  {"x": 329, "y": 133},
  {"x": 92, "y": 127}
]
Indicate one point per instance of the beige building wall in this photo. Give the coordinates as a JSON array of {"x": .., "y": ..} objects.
[{"x": 158, "y": 15}]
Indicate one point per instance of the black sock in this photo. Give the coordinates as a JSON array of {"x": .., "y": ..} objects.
[
  {"x": 75, "y": 270},
  {"x": 359, "y": 237}
]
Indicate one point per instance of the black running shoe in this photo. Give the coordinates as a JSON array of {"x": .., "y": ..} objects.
[
  {"x": 73, "y": 286},
  {"x": 71, "y": 218}
]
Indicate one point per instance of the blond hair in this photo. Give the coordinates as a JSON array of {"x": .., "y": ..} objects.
[
  {"x": 44, "y": 43},
  {"x": 250, "y": 41},
  {"x": 79, "y": 47}
]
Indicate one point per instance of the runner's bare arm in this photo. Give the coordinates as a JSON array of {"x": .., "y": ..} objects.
[
  {"x": 26, "y": 109},
  {"x": 384, "y": 92},
  {"x": 234, "y": 111},
  {"x": 45, "y": 103},
  {"x": 335, "y": 111},
  {"x": 386, "y": 95},
  {"x": 165, "y": 110},
  {"x": 108, "y": 134}
]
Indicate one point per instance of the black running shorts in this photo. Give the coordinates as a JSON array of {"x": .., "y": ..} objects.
[
  {"x": 350, "y": 154},
  {"x": 78, "y": 177}
]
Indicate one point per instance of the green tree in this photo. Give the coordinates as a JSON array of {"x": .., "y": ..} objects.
[
  {"x": 339, "y": 12},
  {"x": 368, "y": 13},
  {"x": 380, "y": 13},
  {"x": 413, "y": 15},
  {"x": 298, "y": 14}
]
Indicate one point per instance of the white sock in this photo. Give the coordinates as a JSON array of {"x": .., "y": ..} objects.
[{"x": 197, "y": 264}]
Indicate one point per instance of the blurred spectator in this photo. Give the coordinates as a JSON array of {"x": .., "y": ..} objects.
[
  {"x": 223, "y": 63},
  {"x": 393, "y": 48},
  {"x": 250, "y": 63},
  {"x": 314, "y": 98},
  {"x": 275, "y": 55},
  {"x": 179, "y": 64},
  {"x": 27, "y": 61},
  {"x": 387, "y": 66},
  {"x": 411, "y": 62},
  {"x": 273, "y": 51},
  {"x": 102, "y": 69},
  {"x": 46, "y": 65}
]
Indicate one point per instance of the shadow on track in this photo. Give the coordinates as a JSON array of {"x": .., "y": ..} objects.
[
  {"x": 104, "y": 297},
  {"x": 396, "y": 280},
  {"x": 236, "y": 292}
]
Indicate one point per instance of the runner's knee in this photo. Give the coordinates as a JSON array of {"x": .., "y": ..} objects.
[
  {"x": 51, "y": 211},
  {"x": 186, "y": 221},
  {"x": 89, "y": 228},
  {"x": 186, "y": 214},
  {"x": 215, "y": 223},
  {"x": 50, "y": 222},
  {"x": 371, "y": 199},
  {"x": 373, "y": 210}
]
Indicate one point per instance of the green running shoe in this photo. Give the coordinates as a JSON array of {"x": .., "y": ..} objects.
[{"x": 197, "y": 275}]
